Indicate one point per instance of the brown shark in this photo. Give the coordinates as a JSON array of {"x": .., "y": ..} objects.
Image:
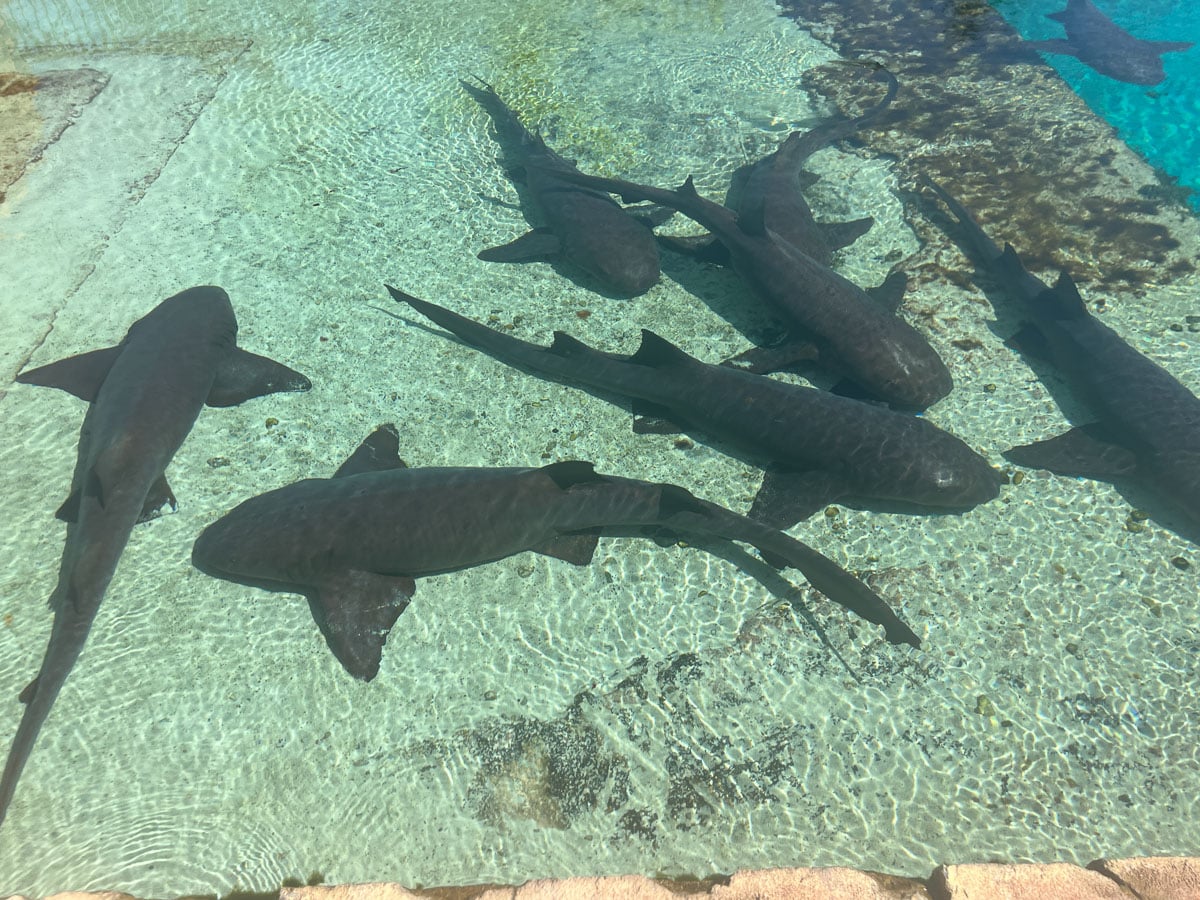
[
  {"x": 584, "y": 227},
  {"x": 353, "y": 544},
  {"x": 821, "y": 447},
  {"x": 144, "y": 396}
]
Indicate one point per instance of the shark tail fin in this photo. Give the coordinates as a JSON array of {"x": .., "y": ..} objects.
[{"x": 379, "y": 452}]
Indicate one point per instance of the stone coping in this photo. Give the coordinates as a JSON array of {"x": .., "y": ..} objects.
[{"x": 1140, "y": 878}]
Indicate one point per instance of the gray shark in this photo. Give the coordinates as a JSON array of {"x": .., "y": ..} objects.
[
  {"x": 584, "y": 227},
  {"x": 144, "y": 396},
  {"x": 1097, "y": 41},
  {"x": 820, "y": 446},
  {"x": 1148, "y": 424},
  {"x": 853, "y": 332},
  {"x": 770, "y": 190},
  {"x": 353, "y": 544}
]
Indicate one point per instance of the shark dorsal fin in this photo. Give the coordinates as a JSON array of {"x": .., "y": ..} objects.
[
  {"x": 1063, "y": 301},
  {"x": 673, "y": 499},
  {"x": 565, "y": 345},
  {"x": 571, "y": 472},
  {"x": 688, "y": 188},
  {"x": 379, "y": 452},
  {"x": 656, "y": 351}
]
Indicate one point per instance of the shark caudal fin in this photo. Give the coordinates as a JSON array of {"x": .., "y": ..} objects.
[{"x": 781, "y": 550}]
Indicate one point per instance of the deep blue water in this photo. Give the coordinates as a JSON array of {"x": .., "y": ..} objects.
[{"x": 1161, "y": 122}]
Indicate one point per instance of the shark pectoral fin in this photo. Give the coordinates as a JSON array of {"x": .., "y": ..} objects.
[
  {"x": 650, "y": 418},
  {"x": 355, "y": 611},
  {"x": 576, "y": 549},
  {"x": 842, "y": 234},
  {"x": 80, "y": 375},
  {"x": 890, "y": 294},
  {"x": 763, "y": 360},
  {"x": 1087, "y": 451},
  {"x": 243, "y": 375},
  {"x": 378, "y": 453},
  {"x": 539, "y": 244},
  {"x": 160, "y": 493},
  {"x": 652, "y": 424},
  {"x": 786, "y": 498}
]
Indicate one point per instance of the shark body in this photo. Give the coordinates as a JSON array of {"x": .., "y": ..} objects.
[
  {"x": 584, "y": 227},
  {"x": 820, "y": 446},
  {"x": 355, "y": 543},
  {"x": 144, "y": 396},
  {"x": 1147, "y": 424},
  {"x": 1101, "y": 44}
]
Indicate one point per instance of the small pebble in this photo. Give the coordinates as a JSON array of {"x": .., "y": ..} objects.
[
  {"x": 272, "y": 421},
  {"x": 218, "y": 462},
  {"x": 989, "y": 388},
  {"x": 831, "y": 512},
  {"x": 1181, "y": 564}
]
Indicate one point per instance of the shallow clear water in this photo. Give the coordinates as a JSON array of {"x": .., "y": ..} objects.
[{"x": 661, "y": 710}]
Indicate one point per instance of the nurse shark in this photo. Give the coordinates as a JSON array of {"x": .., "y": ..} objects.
[
  {"x": 1147, "y": 424},
  {"x": 144, "y": 396},
  {"x": 354, "y": 544},
  {"x": 819, "y": 446},
  {"x": 1100, "y": 43},
  {"x": 584, "y": 227}
]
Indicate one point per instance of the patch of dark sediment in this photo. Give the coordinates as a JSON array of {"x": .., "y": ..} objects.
[
  {"x": 34, "y": 112},
  {"x": 980, "y": 113}
]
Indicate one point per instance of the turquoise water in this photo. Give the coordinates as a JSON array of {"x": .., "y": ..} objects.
[
  {"x": 662, "y": 710},
  {"x": 1161, "y": 122}
]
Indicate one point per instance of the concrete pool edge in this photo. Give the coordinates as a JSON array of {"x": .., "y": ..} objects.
[{"x": 1147, "y": 878}]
